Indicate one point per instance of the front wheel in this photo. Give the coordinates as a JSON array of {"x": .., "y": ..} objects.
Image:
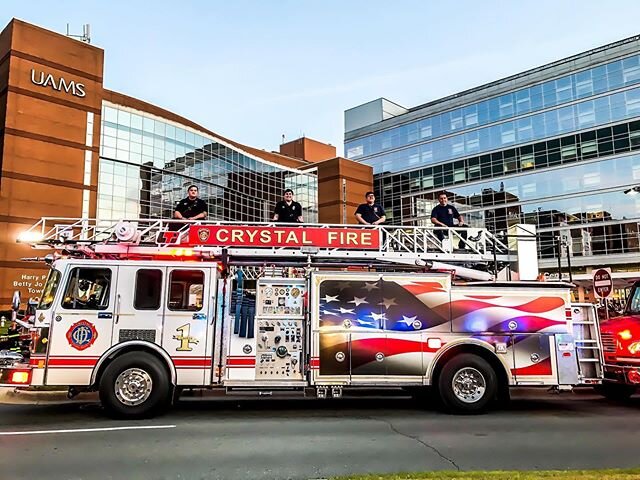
[
  {"x": 467, "y": 384},
  {"x": 134, "y": 385}
]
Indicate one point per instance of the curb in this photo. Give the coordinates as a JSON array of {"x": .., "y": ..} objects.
[{"x": 15, "y": 396}]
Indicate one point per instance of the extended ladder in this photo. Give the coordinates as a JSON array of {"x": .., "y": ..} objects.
[{"x": 398, "y": 244}]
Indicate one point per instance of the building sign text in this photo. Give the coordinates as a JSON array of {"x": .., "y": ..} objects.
[{"x": 60, "y": 84}]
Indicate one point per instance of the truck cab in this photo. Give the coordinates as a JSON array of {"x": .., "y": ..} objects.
[{"x": 621, "y": 348}]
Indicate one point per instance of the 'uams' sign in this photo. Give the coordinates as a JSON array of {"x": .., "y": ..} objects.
[{"x": 59, "y": 84}]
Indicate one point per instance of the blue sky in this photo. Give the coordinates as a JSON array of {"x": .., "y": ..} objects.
[{"x": 256, "y": 70}]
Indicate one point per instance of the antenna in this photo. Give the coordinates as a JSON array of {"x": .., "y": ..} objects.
[
  {"x": 283, "y": 138},
  {"x": 86, "y": 33}
]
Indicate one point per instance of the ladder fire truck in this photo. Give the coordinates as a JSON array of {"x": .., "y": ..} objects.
[{"x": 138, "y": 313}]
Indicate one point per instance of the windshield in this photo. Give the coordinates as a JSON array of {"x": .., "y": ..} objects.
[
  {"x": 49, "y": 290},
  {"x": 633, "y": 307}
]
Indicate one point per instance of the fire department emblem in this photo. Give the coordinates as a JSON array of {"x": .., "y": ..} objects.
[
  {"x": 634, "y": 348},
  {"x": 203, "y": 234},
  {"x": 82, "y": 335}
]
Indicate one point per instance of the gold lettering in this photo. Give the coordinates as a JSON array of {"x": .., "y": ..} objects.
[
  {"x": 252, "y": 234},
  {"x": 305, "y": 240},
  {"x": 220, "y": 238},
  {"x": 265, "y": 236},
  {"x": 292, "y": 237},
  {"x": 332, "y": 237},
  {"x": 365, "y": 238},
  {"x": 352, "y": 237},
  {"x": 236, "y": 236},
  {"x": 279, "y": 234}
]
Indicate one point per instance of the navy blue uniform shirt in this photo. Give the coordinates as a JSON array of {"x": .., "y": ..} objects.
[
  {"x": 370, "y": 213},
  {"x": 445, "y": 214},
  {"x": 288, "y": 213}
]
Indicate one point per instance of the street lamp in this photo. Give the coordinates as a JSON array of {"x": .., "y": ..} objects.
[{"x": 632, "y": 191}]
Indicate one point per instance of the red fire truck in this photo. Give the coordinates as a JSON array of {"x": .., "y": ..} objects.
[
  {"x": 139, "y": 313},
  {"x": 621, "y": 348}
]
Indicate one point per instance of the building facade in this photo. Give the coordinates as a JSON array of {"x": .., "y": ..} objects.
[
  {"x": 147, "y": 161},
  {"x": 557, "y": 146},
  {"x": 69, "y": 147}
]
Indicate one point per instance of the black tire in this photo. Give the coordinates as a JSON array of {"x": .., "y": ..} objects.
[
  {"x": 476, "y": 402},
  {"x": 615, "y": 391},
  {"x": 139, "y": 365}
]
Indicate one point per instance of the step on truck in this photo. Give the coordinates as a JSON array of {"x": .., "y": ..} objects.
[{"x": 139, "y": 313}]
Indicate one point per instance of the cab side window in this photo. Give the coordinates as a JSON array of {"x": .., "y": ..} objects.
[
  {"x": 87, "y": 289},
  {"x": 185, "y": 290},
  {"x": 148, "y": 289}
]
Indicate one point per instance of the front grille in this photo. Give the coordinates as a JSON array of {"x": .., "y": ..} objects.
[
  {"x": 138, "y": 334},
  {"x": 608, "y": 342}
]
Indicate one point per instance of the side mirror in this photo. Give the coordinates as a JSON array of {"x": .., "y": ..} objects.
[{"x": 15, "y": 301}]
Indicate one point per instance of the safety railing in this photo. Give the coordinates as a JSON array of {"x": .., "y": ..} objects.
[{"x": 408, "y": 241}]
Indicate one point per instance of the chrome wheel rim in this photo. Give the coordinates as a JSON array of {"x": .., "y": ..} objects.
[
  {"x": 133, "y": 386},
  {"x": 469, "y": 385}
]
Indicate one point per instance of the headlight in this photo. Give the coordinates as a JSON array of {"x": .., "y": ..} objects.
[
  {"x": 30, "y": 237},
  {"x": 625, "y": 335}
]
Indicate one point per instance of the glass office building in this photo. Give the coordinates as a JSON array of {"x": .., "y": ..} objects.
[
  {"x": 557, "y": 146},
  {"x": 147, "y": 163}
]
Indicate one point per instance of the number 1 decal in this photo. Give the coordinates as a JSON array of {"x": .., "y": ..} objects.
[{"x": 185, "y": 338}]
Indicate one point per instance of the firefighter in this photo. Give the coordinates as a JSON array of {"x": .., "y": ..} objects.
[{"x": 11, "y": 341}]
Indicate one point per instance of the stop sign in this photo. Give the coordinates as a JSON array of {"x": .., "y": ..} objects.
[{"x": 602, "y": 282}]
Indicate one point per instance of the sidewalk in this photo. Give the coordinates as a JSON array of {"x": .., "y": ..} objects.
[{"x": 14, "y": 396}]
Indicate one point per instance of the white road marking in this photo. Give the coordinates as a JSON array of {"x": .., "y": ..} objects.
[{"x": 84, "y": 430}]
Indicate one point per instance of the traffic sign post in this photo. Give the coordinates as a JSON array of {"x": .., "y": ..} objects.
[
  {"x": 602, "y": 282},
  {"x": 603, "y": 285}
]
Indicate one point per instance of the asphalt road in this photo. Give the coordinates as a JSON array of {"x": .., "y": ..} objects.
[{"x": 307, "y": 439}]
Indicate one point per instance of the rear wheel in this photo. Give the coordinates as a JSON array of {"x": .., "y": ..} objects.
[
  {"x": 615, "y": 391},
  {"x": 467, "y": 384},
  {"x": 134, "y": 385}
]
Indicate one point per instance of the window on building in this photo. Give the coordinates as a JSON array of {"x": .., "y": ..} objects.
[
  {"x": 568, "y": 152},
  {"x": 471, "y": 116},
  {"x": 631, "y": 69},
  {"x": 586, "y": 114},
  {"x": 507, "y": 134},
  {"x": 527, "y": 160},
  {"x": 425, "y": 129},
  {"x": 523, "y": 101},
  {"x": 564, "y": 90},
  {"x": 506, "y": 105},
  {"x": 457, "y": 147},
  {"x": 427, "y": 181},
  {"x": 584, "y": 83},
  {"x": 632, "y": 101},
  {"x": 456, "y": 120}
]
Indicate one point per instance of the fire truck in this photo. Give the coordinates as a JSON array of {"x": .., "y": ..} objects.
[
  {"x": 621, "y": 349},
  {"x": 139, "y": 313}
]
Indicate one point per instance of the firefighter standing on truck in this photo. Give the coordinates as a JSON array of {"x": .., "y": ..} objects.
[{"x": 189, "y": 208}]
